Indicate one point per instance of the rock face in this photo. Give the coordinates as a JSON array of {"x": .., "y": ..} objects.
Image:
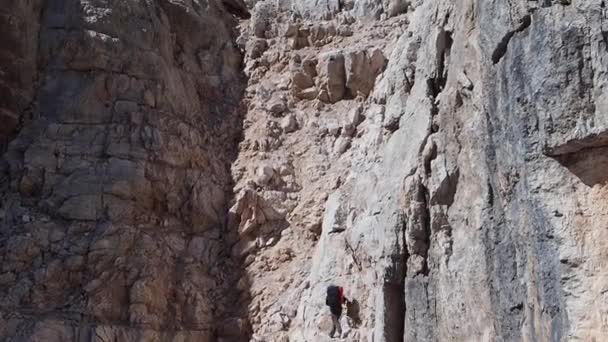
[
  {"x": 18, "y": 60},
  {"x": 123, "y": 120},
  {"x": 443, "y": 161},
  {"x": 464, "y": 200}
]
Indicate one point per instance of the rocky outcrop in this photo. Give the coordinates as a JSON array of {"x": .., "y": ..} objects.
[
  {"x": 444, "y": 206},
  {"x": 124, "y": 120},
  {"x": 443, "y": 161}
]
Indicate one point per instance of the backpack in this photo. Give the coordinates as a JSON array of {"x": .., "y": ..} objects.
[{"x": 334, "y": 296}]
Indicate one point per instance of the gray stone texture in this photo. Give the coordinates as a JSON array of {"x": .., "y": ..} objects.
[{"x": 444, "y": 161}]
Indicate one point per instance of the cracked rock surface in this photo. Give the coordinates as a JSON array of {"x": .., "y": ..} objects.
[
  {"x": 180, "y": 170},
  {"x": 459, "y": 178},
  {"x": 115, "y": 181}
]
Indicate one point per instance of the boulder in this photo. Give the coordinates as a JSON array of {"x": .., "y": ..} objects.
[
  {"x": 342, "y": 144},
  {"x": 256, "y": 47},
  {"x": 303, "y": 72},
  {"x": 354, "y": 116},
  {"x": 332, "y": 75},
  {"x": 362, "y": 68},
  {"x": 302, "y": 80},
  {"x": 277, "y": 106},
  {"x": 307, "y": 94},
  {"x": 264, "y": 174},
  {"x": 289, "y": 123}
]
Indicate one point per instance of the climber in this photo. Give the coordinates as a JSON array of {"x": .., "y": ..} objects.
[{"x": 335, "y": 299}]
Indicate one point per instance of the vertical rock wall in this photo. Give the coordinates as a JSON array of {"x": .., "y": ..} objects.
[
  {"x": 120, "y": 120},
  {"x": 444, "y": 161},
  {"x": 468, "y": 204},
  {"x": 20, "y": 26}
]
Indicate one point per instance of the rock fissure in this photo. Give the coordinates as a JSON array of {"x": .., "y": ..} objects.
[{"x": 501, "y": 48}]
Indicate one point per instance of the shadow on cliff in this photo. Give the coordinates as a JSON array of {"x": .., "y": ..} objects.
[
  {"x": 233, "y": 321},
  {"x": 589, "y": 165},
  {"x": 353, "y": 310}
]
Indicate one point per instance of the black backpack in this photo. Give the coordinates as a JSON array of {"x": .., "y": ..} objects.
[{"x": 333, "y": 296}]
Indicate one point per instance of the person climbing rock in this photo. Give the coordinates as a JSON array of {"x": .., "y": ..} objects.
[{"x": 335, "y": 299}]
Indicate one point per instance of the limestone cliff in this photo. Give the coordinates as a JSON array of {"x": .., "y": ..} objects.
[
  {"x": 122, "y": 119},
  {"x": 167, "y": 178}
]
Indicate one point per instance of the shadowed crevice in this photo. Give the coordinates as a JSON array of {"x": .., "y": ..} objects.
[{"x": 502, "y": 47}]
